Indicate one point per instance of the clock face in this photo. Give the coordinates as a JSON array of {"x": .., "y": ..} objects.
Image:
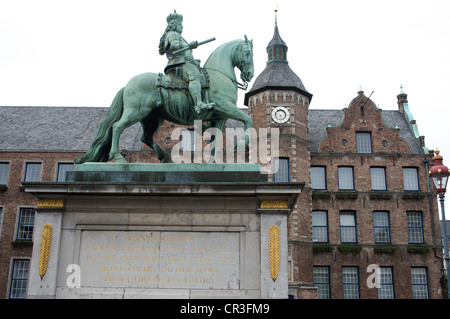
[{"x": 280, "y": 114}]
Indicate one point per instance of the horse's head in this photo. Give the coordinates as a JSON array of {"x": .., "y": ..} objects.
[{"x": 243, "y": 59}]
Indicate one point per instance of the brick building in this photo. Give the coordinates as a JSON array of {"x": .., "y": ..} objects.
[{"x": 367, "y": 200}]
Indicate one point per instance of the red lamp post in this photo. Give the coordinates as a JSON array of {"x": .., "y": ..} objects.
[{"x": 439, "y": 174}]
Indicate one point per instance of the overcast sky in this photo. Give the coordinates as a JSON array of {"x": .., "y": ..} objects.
[{"x": 80, "y": 53}]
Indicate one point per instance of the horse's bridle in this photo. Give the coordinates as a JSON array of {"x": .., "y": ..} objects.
[
  {"x": 243, "y": 60},
  {"x": 245, "y": 56},
  {"x": 242, "y": 86}
]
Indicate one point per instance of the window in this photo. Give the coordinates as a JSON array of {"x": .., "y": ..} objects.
[
  {"x": 345, "y": 177},
  {"x": 277, "y": 53},
  {"x": 350, "y": 282},
  {"x": 419, "y": 282},
  {"x": 378, "y": 178},
  {"x": 386, "y": 288},
  {"x": 410, "y": 179},
  {"x": 281, "y": 169},
  {"x": 19, "y": 279},
  {"x": 4, "y": 171},
  {"x": 62, "y": 169},
  {"x": 318, "y": 177},
  {"x": 381, "y": 227},
  {"x": 415, "y": 227},
  {"x": 26, "y": 224},
  {"x": 32, "y": 172},
  {"x": 320, "y": 226},
  {"x": 347, "y": 221},
  {"x": 188, "y": 140},
  {"x": 321, "y": 279},
  {"x": 363, "y": 142}
]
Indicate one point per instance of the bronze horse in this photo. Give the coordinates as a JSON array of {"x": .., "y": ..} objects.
[{"x": 141, "y": 100}]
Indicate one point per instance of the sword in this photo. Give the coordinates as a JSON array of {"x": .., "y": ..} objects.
[{"x": 189, "y": 48}]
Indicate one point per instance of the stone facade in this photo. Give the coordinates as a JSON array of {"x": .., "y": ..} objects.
[{"x": 159, "y": 240}]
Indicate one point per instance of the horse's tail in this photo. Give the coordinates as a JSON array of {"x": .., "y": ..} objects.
[{"x": 100, "y": 147}]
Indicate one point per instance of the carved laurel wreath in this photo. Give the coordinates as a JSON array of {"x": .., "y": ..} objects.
[
  {"x": 44, "y": 252},
  {"x": 274, "y": 251}
]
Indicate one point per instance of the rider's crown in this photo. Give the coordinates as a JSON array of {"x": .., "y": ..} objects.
[{"x": 175, "y": 17}]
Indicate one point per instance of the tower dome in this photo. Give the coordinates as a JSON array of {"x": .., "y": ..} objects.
[{"x": 277, "y": 74}]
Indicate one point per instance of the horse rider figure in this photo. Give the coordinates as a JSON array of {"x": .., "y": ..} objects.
[{"x": 172, "y": 41}]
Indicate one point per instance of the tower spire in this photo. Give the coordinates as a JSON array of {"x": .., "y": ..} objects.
[
  {"x": 276, "y": 13},
  {"x": 277, "y": 48},
  {"x": 277, "y": 73}
]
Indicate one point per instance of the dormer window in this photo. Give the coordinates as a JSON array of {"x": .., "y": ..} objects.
[{"x": 277, "y": 53}]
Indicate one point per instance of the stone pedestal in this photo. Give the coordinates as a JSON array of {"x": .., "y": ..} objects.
[{"x": 137, "y": 231}]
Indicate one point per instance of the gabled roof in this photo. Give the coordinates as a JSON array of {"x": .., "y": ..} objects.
[
  {"x": 26, "y": 128},
  {"x": 57, "y": 128},
  {"x": 319, "y": 120}
]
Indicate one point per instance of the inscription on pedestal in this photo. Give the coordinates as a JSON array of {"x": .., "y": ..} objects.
[{"x": 159, "y": 259}]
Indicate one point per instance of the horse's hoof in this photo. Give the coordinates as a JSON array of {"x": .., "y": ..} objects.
[{"x": 120, "y": 160}]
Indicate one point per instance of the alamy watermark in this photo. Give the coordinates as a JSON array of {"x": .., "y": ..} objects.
[
  {"x": 263, "y": 146},
  {"x": 374, "y": 279},
  {"x": 74, "y": 278}
]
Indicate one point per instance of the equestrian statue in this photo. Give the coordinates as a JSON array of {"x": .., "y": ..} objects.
[{"x": 186, "y": 92}]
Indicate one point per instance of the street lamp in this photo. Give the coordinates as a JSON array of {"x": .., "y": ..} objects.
[{"x": 439, "y": 174}]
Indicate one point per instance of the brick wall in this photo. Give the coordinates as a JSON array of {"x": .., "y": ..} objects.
[
  {"x": 393, "y": 156},
  {"x": 362, "y": 115},
  {"x": 339, "y": 149},
  {"x": 13, "y": 198}
]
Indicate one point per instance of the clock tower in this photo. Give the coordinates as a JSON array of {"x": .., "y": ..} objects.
[{"x": 278, "y": 99}]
